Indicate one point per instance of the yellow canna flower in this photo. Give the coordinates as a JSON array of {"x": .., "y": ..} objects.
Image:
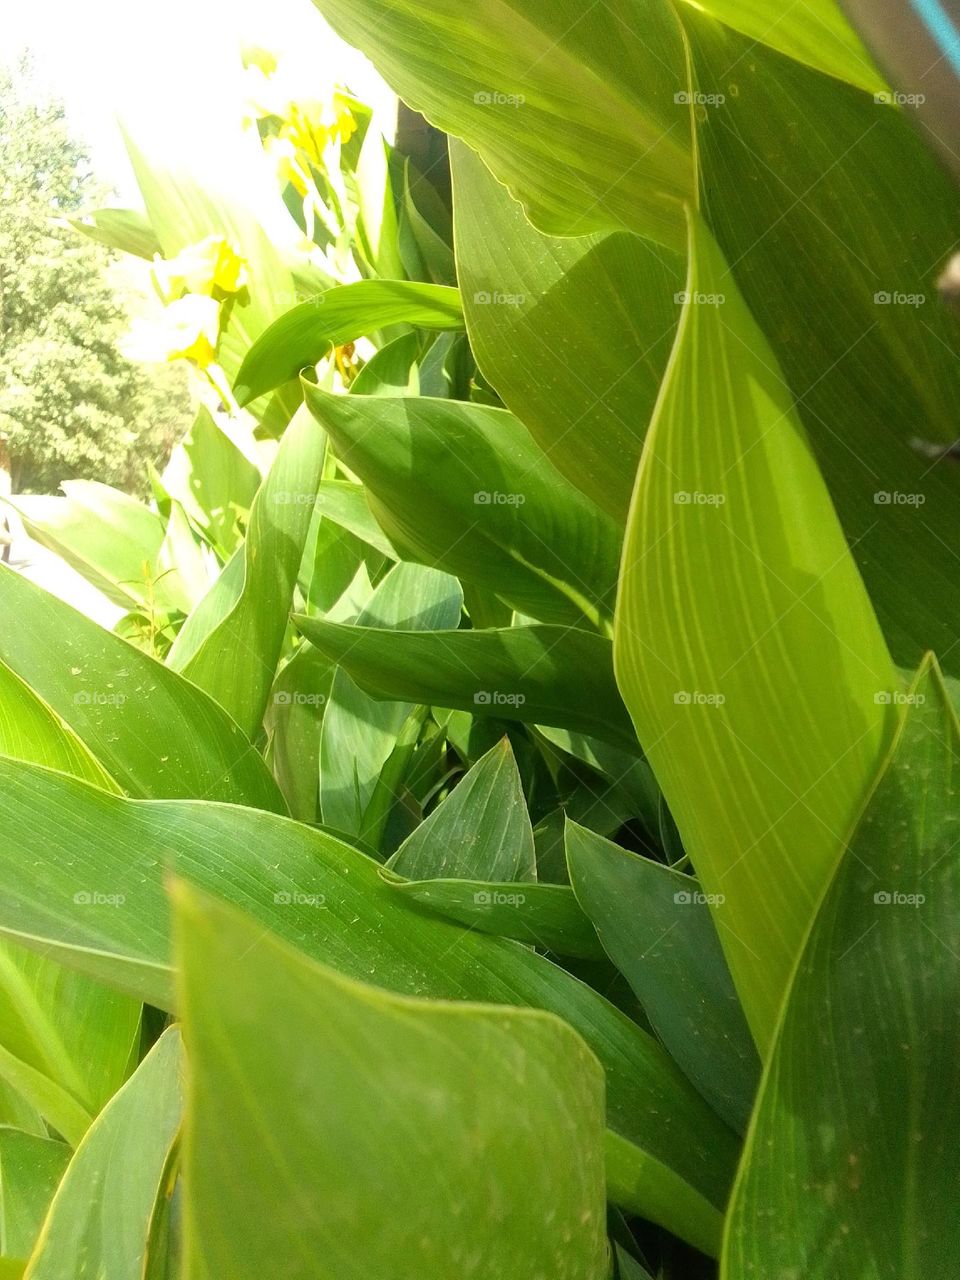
[
  {"x": 188, "y": 329},
  {"x": 200, "y": 268}
]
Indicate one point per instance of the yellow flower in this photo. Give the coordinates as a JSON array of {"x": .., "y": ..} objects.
[
  {"x": 307, "y": 122},
  {"x": 201, "y": 268},
  {"x": 188, "y": 329}
]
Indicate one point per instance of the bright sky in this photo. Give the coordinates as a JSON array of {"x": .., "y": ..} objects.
[{"x": 171, "y": 70}]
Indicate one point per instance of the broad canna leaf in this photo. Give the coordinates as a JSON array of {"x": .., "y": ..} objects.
[
  {"x": 30, "y": 1169},
  {"x": 574, "y": 110},
  {"x": 541, "y": 915},
  {"x": 539, "y": 674},
  {"x": 656, "y": 927},
  {"x": 481, "y": 831},
  {"x": 815, "y": 33},
  {"x": 303, "y": 335},
  {"x": 810, "y": 221},
  {"x": 156, "y": 733},
  {"x": 574, "y": 332},
  {"x": 66, "y": 1040},
  {"x": 126, "y": 229},
  {"x": 859, "y": 1105},
  {"x": 497, "y": 1111},
  {"x": 746, "y": 647},
  {"x": 362, "y": 757},
  {"x": 214, "y": 480},
  {"x": 98, "y": 1224},
  {"x": 113, "y": 540},
  {"x": 329, "y": 900},
  {"x": 487, "y": 505},
  {"x": 230, "y": 645}
]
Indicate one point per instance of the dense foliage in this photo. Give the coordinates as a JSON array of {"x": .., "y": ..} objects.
[{"x": 512, "y": 832}]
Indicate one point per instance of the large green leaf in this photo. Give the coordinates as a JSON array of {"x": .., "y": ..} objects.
[
  {"x": 156, "y": 733},
  {"x": 97, "y": 1227},
  {"x": 542, "y": 915},
  {"x": 214, "y": 480},
  {"x": 113, "y": 540},
  {"x": 811, "y": 219},
  {"x": 362, "y": 758},
  {"x": 329, "y": 900},
  {"x": 306, "y": 333},
  {"x": 540, "y": 674},
  {"x": 481, "y": 831},
  {"x": 465, "y": 488},
  {"x": 657, "y": 929},
  {"x": 746, "y": 647},
  {"x": 575, "y": 110},
  {"x": 125, "y": 229},
  {"x": 499, "y": 1113},
  {"x": 814, "y": 32},
  {"x": 852, "y": 1153},
  {"x": 30, "y": 1169},
  {"x": 55, "y": 1025},
  {"x": 574, "y": 333},
  {"x": 230, "y": 645}
]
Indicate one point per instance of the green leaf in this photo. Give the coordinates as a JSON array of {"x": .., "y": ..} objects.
[
  {"x": 574, "y": 110},
  {"x": 329, "y": 900},
  {"x": 656, "y": 927},
  {"x": 154, "y": 732},
  {"x": 811, "y": 221},
  {"x": 857, "y": 1104},
  {"x": 292, "y": 721},
  {"x": 540, "y": 674},
  {"x": 214, "y": 480},
  {"x": 122, "y": 1159},
  {"x": 541, "y": 915},
  {"x": 113, "y": 540},
  {"x": 65, "y": 1040},
  {"x": 498, "y": 1112},
  {"x": 481, "y": 831},
  {"x": 746, "y": 647},
  {"x": 306, "y": 333},
  {"x": 550, "y": 321},
  {"x": 345, "y": 504},
  {"x": 495, "y": 510},
  {"x": 30, "y": 1169},
  {"x": 815, "y": 33},
  {"x": 360, "y": 737},
  {"x": 230, "y": 645},
  {"x": 391, "y": 371},
  {"x": 126, "y": 229}
]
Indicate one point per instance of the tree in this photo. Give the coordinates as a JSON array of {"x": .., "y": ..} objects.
[{"x": 70, "y": 403}]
